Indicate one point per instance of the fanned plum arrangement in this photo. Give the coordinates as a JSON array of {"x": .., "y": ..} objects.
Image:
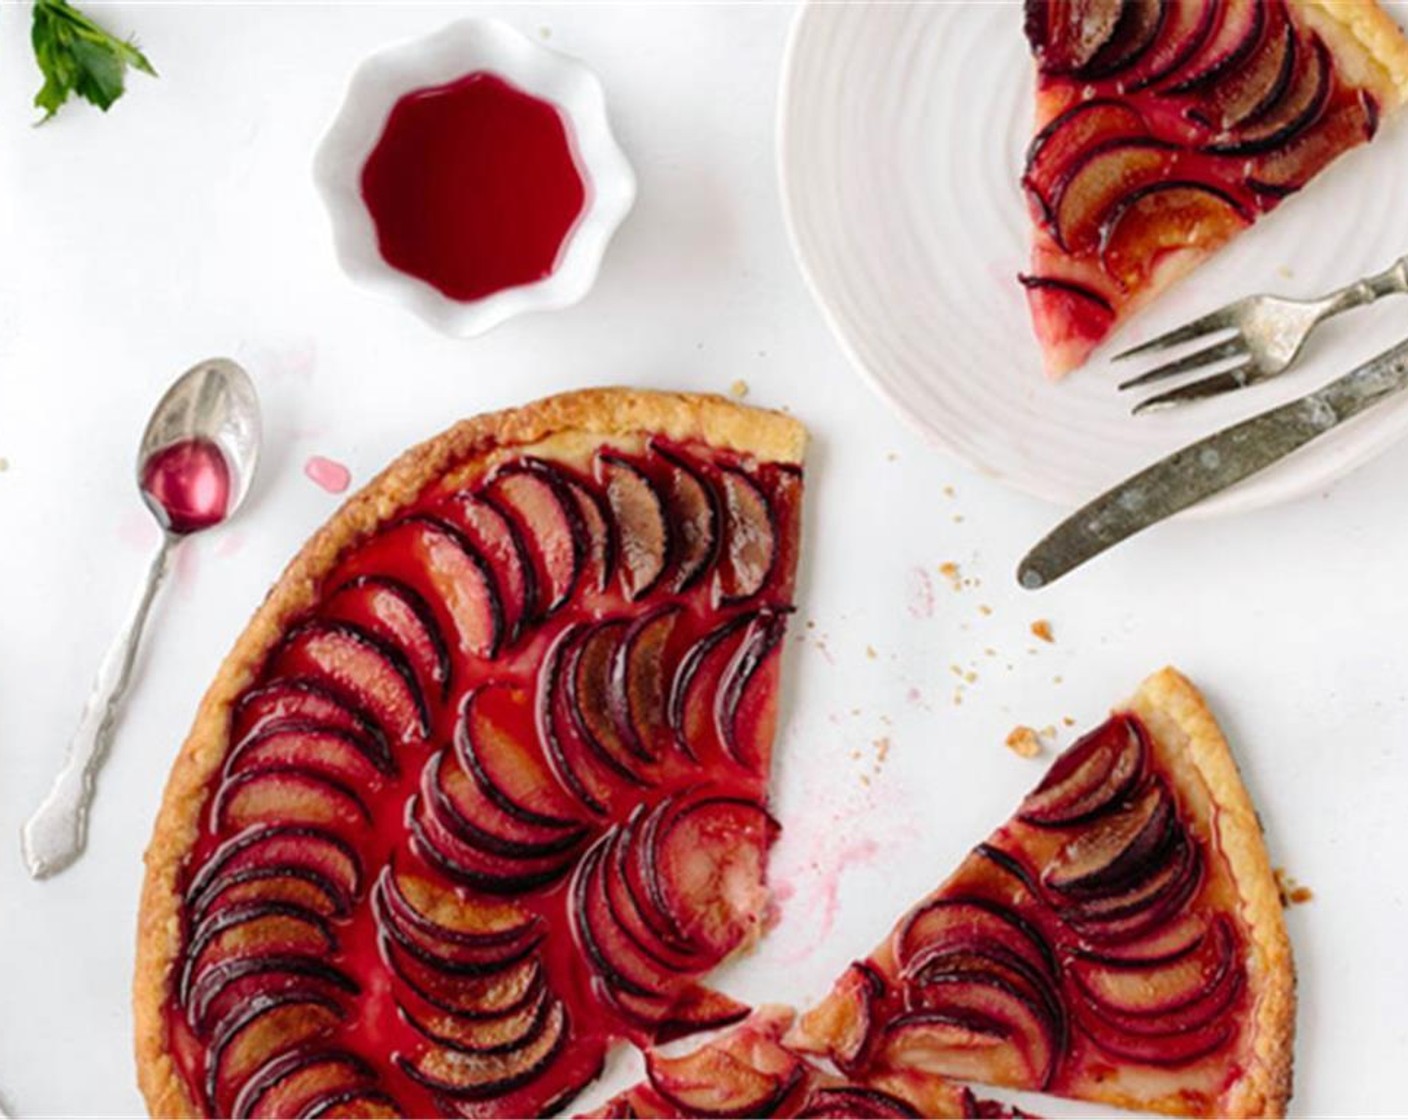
[
  {"x": 750, "y": 1071},
  {"x": 1165, "y": 127},
  {"x": 1120, "y": 939},
  {"x": 484, "y": 788}
]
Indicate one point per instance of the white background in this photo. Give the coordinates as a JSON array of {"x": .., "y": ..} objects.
[{"x": 184, "y": 224}]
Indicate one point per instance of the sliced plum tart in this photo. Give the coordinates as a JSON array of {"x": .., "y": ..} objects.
[
  {"x": 1120, "y": 939},
  {"x": 1166, "y": 127},
  {"x": 482, "y": 789},
  {"x": 750, "y": 1071}
]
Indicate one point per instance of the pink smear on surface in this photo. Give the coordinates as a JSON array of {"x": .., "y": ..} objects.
[
  {"x": 921, "y": 602},
  {"x": 138, "y": 530},
  {"x": 329, "y": 474},
  {"x": 230, "y": 544},
  {"x": 779, "y": 891},
  {"x": 827, "y": 897}
]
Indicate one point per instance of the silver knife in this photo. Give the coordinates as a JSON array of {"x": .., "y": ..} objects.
[{"x": 1202, "y": 469}]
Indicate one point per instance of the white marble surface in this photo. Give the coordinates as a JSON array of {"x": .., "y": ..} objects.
[{"x": 185, "y": 224}]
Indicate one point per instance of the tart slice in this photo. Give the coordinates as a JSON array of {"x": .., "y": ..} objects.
[
  {"x": 750, "y": 1071},
  {"x": 482, "y": 789},
  {"x": 1120, "y": 939},
  {"x": 1166, "y": 127}
]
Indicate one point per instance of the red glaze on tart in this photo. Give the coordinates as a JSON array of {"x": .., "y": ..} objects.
[
  {"x": 483, "y": 789},
  {"x": 1165, "y": 127},
  {"x": 1120, "y": 939},
  {"x": 750, "y": 1071}
]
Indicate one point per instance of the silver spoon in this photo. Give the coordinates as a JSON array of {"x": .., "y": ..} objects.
[{"x": 194, "y": 467}]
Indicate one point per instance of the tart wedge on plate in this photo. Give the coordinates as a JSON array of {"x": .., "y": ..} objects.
[{"x": 1164, "y": 128}]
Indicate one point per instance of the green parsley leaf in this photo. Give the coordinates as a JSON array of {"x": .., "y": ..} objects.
[{"x": 77, "y": 56}]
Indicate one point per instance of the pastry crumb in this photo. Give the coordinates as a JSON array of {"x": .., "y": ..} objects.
[
  {"x": 739, "y": 389},
  {"x": 1291, "y": 892},
  {"x": 1024, "y": 741},
  {"x": 948, "y": 491},
  {"x": 4, "y": 463},
  {"x": 892, "y": 456},
  {"x": 1041, "y": 628},
  {"x": 949, "y": 570},
  {"x": 870, "y": 653},
  {"x": 1068, "y": 721},
  {"x": 984, "y": 609}
]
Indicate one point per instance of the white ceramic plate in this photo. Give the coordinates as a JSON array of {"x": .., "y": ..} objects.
[{"x": 902, "y": 130}]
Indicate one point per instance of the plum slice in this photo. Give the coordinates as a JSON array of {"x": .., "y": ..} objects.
[
  {"x": 853, "y": 1101},
  {"x": 709, "y": 863},
  {"x": 589, "y": 682},
  {"x": 475, "y": 817},
  {"x": 311, "y": 855},
  {"x": 1099, "y": 179},
  {"x": 297, "y": 700},
  {"x": 1248, "y": 90},
  {"x": 695, "y": 517},
  {"x": 1162, "y": 218},
  {"x": 468, "y": 1076},
  {"x": 976, "y": 1028},
  {"x": 1238, "y": 32},
  {"x": 627, "y": 911},
  {"x": 1069, "y": 134},
  {"x": 496, "y": 743},
  {"x": 535, "y": 495},
  {"x": 972, "y": 923},
  {"x": 1300, "y": 104},
  {"x": 847, "y": 1017},
  {"x": 353, "y": 1104},
  {"x": 1290, "y": 167},
  {"x": 461, "y": 581},
  {"x": 277, "y": 795},
  {"x": 490, "y": 1036},
  {"x": 1187, "y": 26},
  {"x": 1091, "y": 774},
  {"x": 252, "y": 1034},
  {"x": 498, "y": 540},
  {"x": 252, "y": 929},
  {"x": 353, "y": 661},
  {"x": 1070, "y": 317},
  {"x": 608, "y": 947},
  {"x": 344, "y": 755},
  {"x": 442, "y": 920},
  {"x": 745, "y": 706},
  {"x": 1140, "y": 22},
  {"x": 485, "y": 993},
  {"x": 573, "y": 761},
  {"x": 1114, "y": 847},
  {"x": 1065, "y": 35},
  {"x": 643, "y": 532},
  {"x": 640, "y": 677},
  {"x": 749, "y": 552},
  {"x": 713, "y": 1082},
  {"x": 287, "y": 1084},
  {"x": 433, "y": 838},
  {"x": 396, "y": 611},
  {"x": 600, "y": 535},
  {"x": 694, "y": 691}
]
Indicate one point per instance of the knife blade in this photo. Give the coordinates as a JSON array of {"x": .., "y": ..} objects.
[{"x": 1208, "y": 466}]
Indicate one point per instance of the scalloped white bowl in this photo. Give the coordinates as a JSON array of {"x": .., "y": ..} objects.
[{"x": 456, "y": 50}]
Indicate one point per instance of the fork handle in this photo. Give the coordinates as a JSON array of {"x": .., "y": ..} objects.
[{"x": 1388, "y": 282}]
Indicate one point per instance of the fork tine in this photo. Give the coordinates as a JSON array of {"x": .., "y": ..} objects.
[
  {"x": 1236, "y": 378},
  {"x": 1233, "y": 347},
  {"x": 1224, "y": 318}
]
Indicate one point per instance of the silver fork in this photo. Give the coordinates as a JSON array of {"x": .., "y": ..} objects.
[{"x": 1268, "y": 335}]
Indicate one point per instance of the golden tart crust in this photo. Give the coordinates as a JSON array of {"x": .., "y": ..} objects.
[{"x": 569, "y": 419}]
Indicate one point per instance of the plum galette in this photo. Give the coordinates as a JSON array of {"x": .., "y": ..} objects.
[
  {"x": 1165, "y": 127},
  {"x": 482, "y": 789},
  {"x": 1120, "y": 939}
]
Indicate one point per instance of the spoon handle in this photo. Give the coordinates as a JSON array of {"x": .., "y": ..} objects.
[{"x": 58, "y": 831}]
